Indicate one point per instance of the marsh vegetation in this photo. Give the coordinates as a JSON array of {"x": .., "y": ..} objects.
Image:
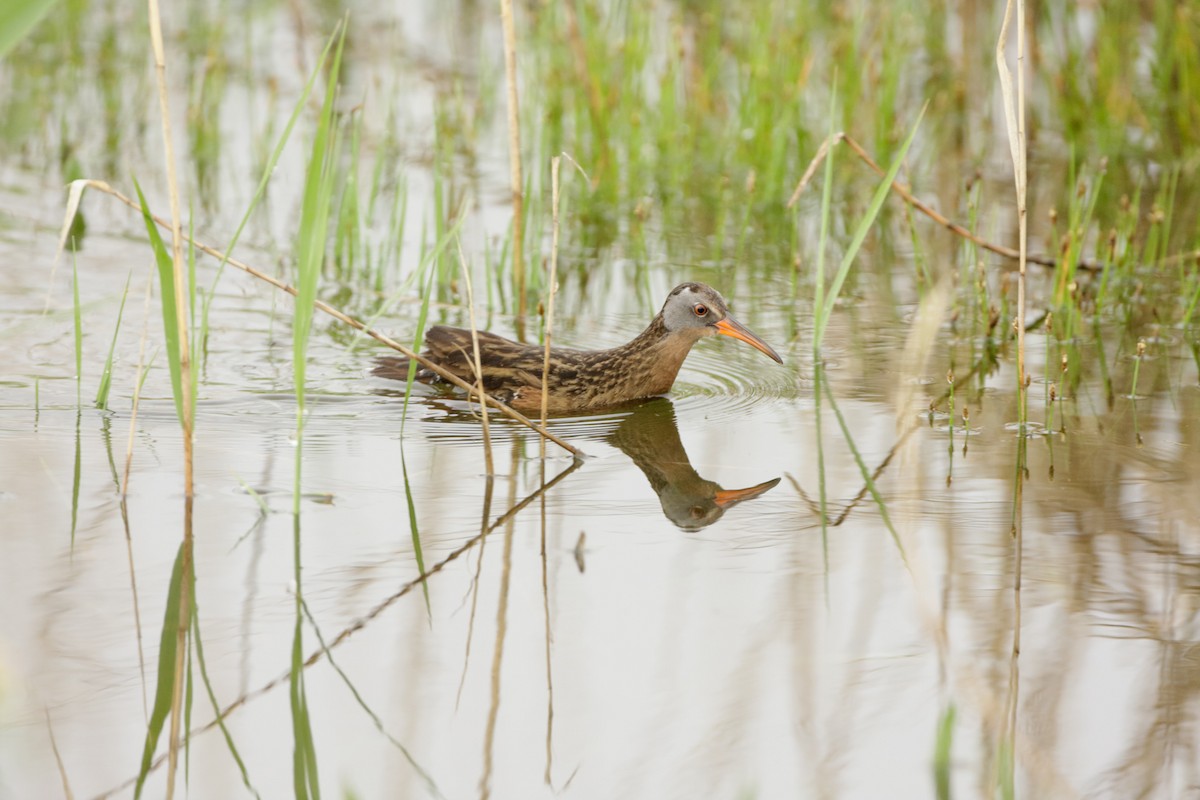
[{"x": 947, "y": 549}]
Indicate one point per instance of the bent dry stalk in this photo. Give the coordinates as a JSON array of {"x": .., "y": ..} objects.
[{"x": 359, "y": 326}]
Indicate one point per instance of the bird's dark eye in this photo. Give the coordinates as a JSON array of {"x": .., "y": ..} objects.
[{"x": 700, "y": 309}]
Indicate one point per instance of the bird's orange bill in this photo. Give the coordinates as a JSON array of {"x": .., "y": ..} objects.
[
  {"x": 731, "y": 327},
  {"x": 725, "y": 498}
]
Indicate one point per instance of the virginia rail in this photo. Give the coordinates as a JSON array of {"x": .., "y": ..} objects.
[{"x": 585, "y": 380}]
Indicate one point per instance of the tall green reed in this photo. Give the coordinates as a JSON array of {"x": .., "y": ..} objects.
[
  {"x": 178, "y": 620},
  {"x": 818, "y": 306},
  {"x": 259, "y": 192},
  {"x": 826, "y": 298},
  {"x": 176, "y": 342},
  {"x": 173, "y": 682},
  {"x": 311, "y": 245}
]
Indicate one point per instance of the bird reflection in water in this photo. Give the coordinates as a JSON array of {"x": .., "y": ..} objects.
[{"x": 650, "y": 436}]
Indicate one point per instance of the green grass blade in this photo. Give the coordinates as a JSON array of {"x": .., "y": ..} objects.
[
  {"x": 942, "y": 753},
  {"x": 269, "y": 170},
  {"x": 1191, "y": 308},
  {"x": 78, "y": 401},
  {"x": 1005, "y": 771},
  {"x": 423, "y": 313},
  {"x": 428, "y": 262},
  {"x": 823, "y": 499},
  {"x": 823, "y": 235},
  {"x": 106, "y": 375},
  {"x": 212, "y": 697},
  {"x": 419, "y": 336},
  {"x": 305, "y": 778},
  {"x": 425, "y": 776},
  {"x": 166, "y": 672},
  {"x": 189, "y": 687},
  {"x": 418, "y": 339},
  {"x": 166, "y": 276},
  {"x": 301, "y": 104},
  {"x": 310, "y": 256},
  {"x": 414, "y": 529},
  {"x": 17, "y": 18},
  {"x": 860, "y": 233},
  {"x": 77, "y": 479},
  {"x": 866, "y": 473},
  {"x": 314, "y": 225},
  {"x": 78, "y": 316},
  {"x": 818, "y": 306}
]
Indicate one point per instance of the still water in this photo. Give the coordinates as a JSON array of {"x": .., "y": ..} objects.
[
  {"x": 668, "y": 617},
  {"x": 638, "y": 627}
]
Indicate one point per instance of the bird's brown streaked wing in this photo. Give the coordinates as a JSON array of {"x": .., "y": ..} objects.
[{"x": 506, "y": 364}]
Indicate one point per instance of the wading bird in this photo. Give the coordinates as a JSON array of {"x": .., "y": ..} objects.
[{"x": 584, "y": 380}]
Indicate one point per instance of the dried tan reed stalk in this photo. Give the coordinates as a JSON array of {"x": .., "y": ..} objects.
[
  {"x": 483, "y": 412},
  {"x": 514, "y": 154}
]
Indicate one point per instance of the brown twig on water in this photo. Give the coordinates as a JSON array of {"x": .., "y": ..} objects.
[
  {"x": 357, "y": 325},
  {"x": 907, "y": 196}
]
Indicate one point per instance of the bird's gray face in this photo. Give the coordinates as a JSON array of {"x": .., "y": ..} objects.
[{"x": 696, "y": 310}]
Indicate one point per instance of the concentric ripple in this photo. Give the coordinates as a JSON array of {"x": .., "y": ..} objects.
[{"x": 727, "y": 384}]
